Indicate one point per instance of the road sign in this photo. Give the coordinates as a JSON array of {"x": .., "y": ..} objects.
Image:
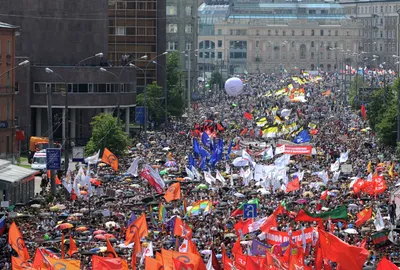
[
  {"x": 53, "y": 158},
  {"x": 250, "y": 210},
  {"x": 141, "y": 113},
  {"x": 78, "y": 154}
]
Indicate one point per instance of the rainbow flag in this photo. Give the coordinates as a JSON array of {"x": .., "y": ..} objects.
[
  {"x": 200, "y": 207},
  {"x": 162, "y": 213}
]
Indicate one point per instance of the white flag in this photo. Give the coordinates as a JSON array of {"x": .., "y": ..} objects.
[
  {"x": 78, "y": 180},
  {"x": 282, "y": 161},
  {"x": 196, "y": 173},
  {"x": 268, "y": 154},
  {"x": 147, "y": 252},
  {"x": 257, "y": 224},
  {"x": 209, "y": 264},
  {"x": 344, "y": 157},
  {"x": 133, "y": 169},
  {"x": 335, "y": 166},
  {"x": 209, "y": 178},
  {"x": 219, "y": 177},
  {"x": 93, "y": 159},
  {"x": 231, "y": 180},
  {"x": 299, "y": 175},
  {"x": 379, "y": 224},
  {"x": 227, "y": 168},
  {"x": 189, "y": 173},
  {"x": 336, "y": 176},
  {"x": 67, "y": 183},
  {"x": 246, "y": 156},
  {"x": 184, "y": 246}
]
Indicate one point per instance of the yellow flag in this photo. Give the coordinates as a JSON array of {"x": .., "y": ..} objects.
[
  {"x": 391, "y": 170},
  {"x": 369, "y": 169}
]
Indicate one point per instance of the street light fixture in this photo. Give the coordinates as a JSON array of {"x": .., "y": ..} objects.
[{"x": 23, "y": 63}]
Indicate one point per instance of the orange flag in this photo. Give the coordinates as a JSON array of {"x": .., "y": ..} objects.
[
  {"x": 363, "y": 216},
  {"x": 340, "y": 252},
  {"x": 18, "y": 264},
  {"x": 104, "y": 263},
  {"x": 181, "y": 265},
  {"x": 58, "y": 182},
  {"x": 159, "y": 257},
  {"x": 65, "y": 264},
  {"x": 182, "y": 229},
  {"x": 40, "y": 261},
  {"x": 17, "y": 242},
  {"x": 110, "y": 250},
  {"x": 110, "y": 159},
  {"x": 140, "y": 226},
  {"x": 293, "y": 185},
  {"x": 188, "y": 258},
  {"x": 72, "y": 247},
  {"x": 173, "y": 192},
  {"x": 151, "y": 264}
]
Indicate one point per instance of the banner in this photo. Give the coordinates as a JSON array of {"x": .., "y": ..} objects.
[
  {"x": 298, "y": 149},
  {"x": 275, "y": 237},
  {"x": 381, "y": 239},
  {"x": 261, "y": 171}
]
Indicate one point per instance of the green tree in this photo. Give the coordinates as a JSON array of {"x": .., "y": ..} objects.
[
  {"x": 386, "y": 128},
  {"x": 107, "y": 133},
  {"x": 376, "y": 108},
  {"x": 175, "y": 94},
  {"x": 216, "y": 78},
  {"x": 355, "y": 91},
  {"x": 155, "y": 102}
]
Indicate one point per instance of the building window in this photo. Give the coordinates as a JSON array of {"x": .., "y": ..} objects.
[
  {"x": 219, "y": 43},
  {"x": 302, "y": 32},
  {"x": 322, "y": 32},
  {"x": 257, "y": 44},
  {"x": 257, "y": 32},
  {"x": 188, "y": 46},
  {"x": 172, "y": 10},
  {"x": 121, "y": 31},
  {"x": 172, "y": 46},
  {"x": 312, "y": 44},
  {"x": 293, "y": 32},
  {"x": 188, "y": 28},
  {"x": 312, "y": 32},
  {"x": 172, "y": 28},
  {"x": 302, "y": 51},
  {"x": 336, "y": 32},
  {"x": 276, "y": 33},
  {"x": 312, "y": 55},
  {"x": 269, "y": 32},
  {"x": 219, "y": 55},
  {"x": 283, "y": 33},
  {"x": 8, "y": 47},
  {"x": 347, "y": 33},
  {"x": 188, "y": 11},
  {"x": 220, "y": 32}
]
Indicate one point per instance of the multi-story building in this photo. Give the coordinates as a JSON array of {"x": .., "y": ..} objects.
[
  {"x": 380, "y": 28},
  {"x": 59, "y": 35},
  {"x": 182, "y": 35},
  {"x": 7, "y": 90},
  {"x": 137, "y": 35},
  {"x": 280, "y": 35}
]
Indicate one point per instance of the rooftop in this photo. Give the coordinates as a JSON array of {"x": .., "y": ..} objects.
[
  {"x": 8, "y": 26},
  {"x": 13, "y": 173}
]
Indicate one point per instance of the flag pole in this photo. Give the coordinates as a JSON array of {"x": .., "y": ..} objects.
[{"x": 62, "y": 245}]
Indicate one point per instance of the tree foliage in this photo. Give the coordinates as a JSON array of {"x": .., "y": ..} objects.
[
  {"x": 382, "y": 114},
  {"x": 107, "y": 133},
  {"x": 155, "y": 102},
  {"x": 355, "y": 92},
  {"x": 176, "y": 102},
  {"x": 216, "y": 78}
]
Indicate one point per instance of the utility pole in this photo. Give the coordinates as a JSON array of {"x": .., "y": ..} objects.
[
  {"x": 51, "y": 140},
  {"x": 189, "y": 56}
]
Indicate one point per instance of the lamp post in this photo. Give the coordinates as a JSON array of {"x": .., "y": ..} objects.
[
  {"x": 398, "y": 83},
  {"x": 165, "y": 93},
  {"x": 66, "y": 129},
  {"x": 23, "y": 63}
]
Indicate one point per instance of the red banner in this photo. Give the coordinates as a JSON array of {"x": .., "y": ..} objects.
[
  {"x": 297, "y": 149},
  {"x": 275, "y": 237}
]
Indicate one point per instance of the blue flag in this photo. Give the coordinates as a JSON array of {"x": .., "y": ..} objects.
[
  {"x": 229, "y": 151},
  {"x": 192, "y": 162},
  {"x": 203, "y": 163},
  {"x": 196, "y": 146},
  {"x": 132, "y": 219},
  {"x": 205, "y": 139},
  {"x": 303, "y": 137},
  {"x": 220, "y": 149}
]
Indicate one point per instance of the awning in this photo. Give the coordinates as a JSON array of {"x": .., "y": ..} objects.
[{"x": 13, "y": 173}]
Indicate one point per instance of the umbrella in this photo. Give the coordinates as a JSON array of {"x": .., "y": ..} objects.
[
  {"x": 170, "y": 163},
  {"x": 81, "y": 229},
  {"x": 64, "y": 226},
  {"x": 99, "y": 232},
  {"x": 109, "y": 235},
  {"x": 239, "y": 195},
  {"x": 84, "y": 192},
  {"x": 202, "y": 186},
  {"x": 353, "y": 206},
  {"x": 135, "y": 185},
  {"x": 76, "y": 215},
  {"x": 54, "y": 208},
  {"x": 111, "y": 224},
  {"x": 351, "y": 231},
  {"x": 308, "y": 193},
  {"x": 229, "y": 235},
  {"x": 301, "y": 201},
  {"x": 100, "y": 237},
  {"x": 35, "y": 205}
]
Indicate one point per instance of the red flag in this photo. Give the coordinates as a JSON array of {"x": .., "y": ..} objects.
[
  {"x": 243, "y": 226},
  {"x": 240, "y": 260},
  {"x": 181, "y": 265},
  {"x": 385, "y": 264},
  {"x": 220, "y": 127},
  {"x": 215, "y": 263},
  {"x": 340, "y": 252},
  {"x": 248, "y": 116},
  {"x": 226, "y": 262},
  {"x": 182, "y": 229},
  {"x": 244, "y": 131},
  {"x": 379, "y": 184},
  {"x": 110, "y": 250},
  {"x": 324, "y": 195},
  {"x": 269, "y": 223},
  {"x": 358, "y": 186},
  {"x": 363, "y": 216},
  {"x": 318, "y": 257},
  {"x": 363, "y": 243},
  {"x": 104, "y": 263},
  {"x": 363, "y": 112},
  {"x": 237, "y": 248},
  {"x": 72, "y": 247},
  {"x": 293, "y": 185}
]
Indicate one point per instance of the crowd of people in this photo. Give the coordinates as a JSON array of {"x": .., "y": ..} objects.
[{"x": 290, "y": 146}]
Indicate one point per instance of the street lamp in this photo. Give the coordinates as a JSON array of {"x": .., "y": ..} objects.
[
  {"x": 66, "y": 129},
  {"x": 23, "y": 63}
]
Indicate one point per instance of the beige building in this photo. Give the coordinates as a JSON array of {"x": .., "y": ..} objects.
[{"x": 272, "y": 37}]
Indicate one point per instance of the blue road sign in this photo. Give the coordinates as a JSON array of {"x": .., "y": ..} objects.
[
  {"x": 250, "y": 210},
  {"x": 53, "y": 158},
  {"x": 141, "y": 113}
]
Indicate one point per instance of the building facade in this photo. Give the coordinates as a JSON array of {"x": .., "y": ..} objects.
[
  {"x": 380, "y": 21},
  {"x": 182, "y": 34},
  {"x": 7, "y": 90},
  {"x": 280, "y": 36},
  {"x": 137, "y": 34},
  {"x": 65, "y": 36}
]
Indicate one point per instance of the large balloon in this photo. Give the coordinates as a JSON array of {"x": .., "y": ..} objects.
[{"x": 234, "y": 86}]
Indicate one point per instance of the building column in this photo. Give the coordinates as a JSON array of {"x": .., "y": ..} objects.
[
  {"x": 127, "y": 119},
  {"x": 38, "y": 122},
  {"x": 107, "y": 110},
  {"x": 63, "y": 124},
  {"x": 72, "y": 118}
]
